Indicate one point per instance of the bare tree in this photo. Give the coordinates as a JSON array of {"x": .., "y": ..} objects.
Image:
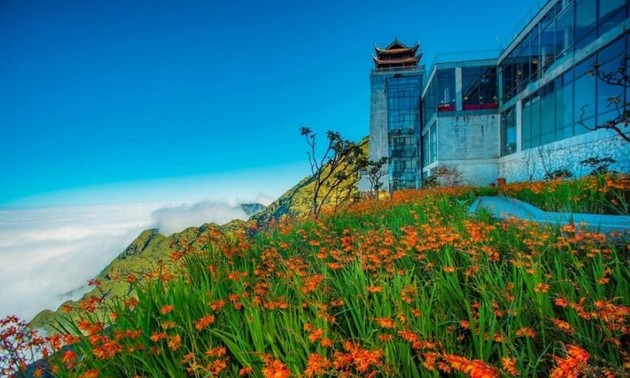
[
  {"x": 621, "y": 119},
  {"x": 336, "y": 171},
  {"x": 375, "y": 174}
]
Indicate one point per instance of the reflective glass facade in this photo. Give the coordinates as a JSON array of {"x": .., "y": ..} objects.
[
  {"x": 573, "y": 97},
  {"x": 566, "y": 27},
  {"x": 479, "y": 88},
  {"x": 559, "y": 109},
  {"x": 403, "y": 113},
  {"x": 440, "y": 95}
]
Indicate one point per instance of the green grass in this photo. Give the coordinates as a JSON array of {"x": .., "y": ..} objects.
[{"x": 409, "y": 286}]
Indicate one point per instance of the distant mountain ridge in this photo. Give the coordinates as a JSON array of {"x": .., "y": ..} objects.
[
  {"x": 151, "y": 248},
  {"x": 147, "y": 250}
]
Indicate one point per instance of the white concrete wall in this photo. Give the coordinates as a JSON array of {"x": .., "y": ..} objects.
[
  {"x": 470, "y": 144},
  {"x": 534, "y": 163}
]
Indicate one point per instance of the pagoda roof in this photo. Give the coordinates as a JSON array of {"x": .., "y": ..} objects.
[
  {"x": 407, "y": 61},
  {"x": 397, "y": 47}
]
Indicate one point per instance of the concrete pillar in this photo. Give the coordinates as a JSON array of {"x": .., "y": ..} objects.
[
  {"x": 519, "y": 125},
  {"x": 458, "y": 89}
]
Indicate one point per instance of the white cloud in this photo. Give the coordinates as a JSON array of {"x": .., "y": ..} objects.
[
  {"x": 47, "y": 253},
  {"x": 264, "y": 199},
  {"x": 175, "y": 219}
]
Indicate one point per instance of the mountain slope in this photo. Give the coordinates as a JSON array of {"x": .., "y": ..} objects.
[{"x": 151, "y": 251}]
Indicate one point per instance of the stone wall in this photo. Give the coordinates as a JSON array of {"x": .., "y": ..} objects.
[
  {"x": 378, "y": 147},
  {"x": 533, "y": 164},
  {"x": 470, "y": 143},
  {"x": 468, "y": 137}
]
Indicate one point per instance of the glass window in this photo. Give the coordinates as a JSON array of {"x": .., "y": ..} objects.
[
  {"x": 426, "y": 156},
  {"x": 548, "y": 113},
  {"x": 508, "y": 132},
  {"x": 610, "y": 92},
  {"x": 585, "y": 95},
  {"x": 440, "y": 96},
  {"x": 611, "y": 13},
  {"x": 403, "y": 103},
  {"x": 479, "y": 88},
  {"x": 564, "y": 107},
  {"x": 585, "y": 21},
  {"x": 433, "y": 142},
  {"x": 535, "y": 121},
  {"x": 564, "y": 31},
  {"x": 585, "y": 89},
  {"x": 548, "y": 45},
  {"x": 507, "y": 79},
  {"x": 403, "y": 93},
  {"x": 527, "y": 124},
  {"x": 446, "y": 90},
  {"x": 534, "y": 53},
  {"x": 627, "y": 66},
  {"x": 613, "y": 51}
]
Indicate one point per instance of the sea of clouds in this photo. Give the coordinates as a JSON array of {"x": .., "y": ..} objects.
[{"x": 48, "y": 254}]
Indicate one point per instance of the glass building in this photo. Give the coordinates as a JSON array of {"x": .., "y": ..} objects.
[
  {"x": 548, "y": 91},
  {"x": 460, "y": 106},
  {"x": 396, "y": 84},
  {"x": 516, "y": 114}
]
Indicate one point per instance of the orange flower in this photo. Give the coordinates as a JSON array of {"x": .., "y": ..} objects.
[
  {"x": 131, "y": 303},
  {"x": 526, "y": 332},
  {"x": 217, "y": 366},
  {"x": 316, "y": 335},
  {"x": 248, "y": 370},
  {"x": 326, "y": 343},
  {"x": 541, "y": 288},
  {"x": 385, "y": 322},
  {"x": 509, "y": 365},
  {"x": 374, "y": 289},
  {"x": 561, "y": 302},
  {"x": 216, "y": 352},
  {"x": 480, "y": 369},
  {"x": 158, "y": 336},
  {"x": 449, "y": 269},
  {"x": 217, "y": 305},
  {"x": 204, "y": 322},
  {"x": 275, "y": 369},
  {"x": 311, "y": 283},
  {"x": 316, "y": 365},
  {"x": 563, "y": 326},
  {"x": 91, "y": 374},
  {"x": 166, "y": 309},
  {"x": 68, "y": 358},
  {"x": 385, "y": 337},
  {"x": 572, "y": 365},
  {"x": 174, "y": 342},
  {"x": 168, "y": 325}
]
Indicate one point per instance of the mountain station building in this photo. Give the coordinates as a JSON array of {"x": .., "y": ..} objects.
[{"x": 520, "y": 114}]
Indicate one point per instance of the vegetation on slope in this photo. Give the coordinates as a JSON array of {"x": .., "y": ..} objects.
[
  {"x": 408, "y": 286},
  {"x": 151, "y": 250}
]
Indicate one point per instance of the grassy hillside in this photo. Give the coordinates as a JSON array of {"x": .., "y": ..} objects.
[
  {"x": 151, "y": 250},
  {"x": 408, "y": 286}
]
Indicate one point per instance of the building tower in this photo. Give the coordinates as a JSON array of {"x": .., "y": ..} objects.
[{"x": 395, "y": 84}]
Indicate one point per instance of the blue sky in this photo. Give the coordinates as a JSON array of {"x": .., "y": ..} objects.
[{"x": 128, "y": 101}]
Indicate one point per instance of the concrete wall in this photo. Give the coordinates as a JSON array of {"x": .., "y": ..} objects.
[
  {"x": 471, "y": 144},
  {"x": 378, "y": 147},
  {"x": 532, "y": 164}
]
